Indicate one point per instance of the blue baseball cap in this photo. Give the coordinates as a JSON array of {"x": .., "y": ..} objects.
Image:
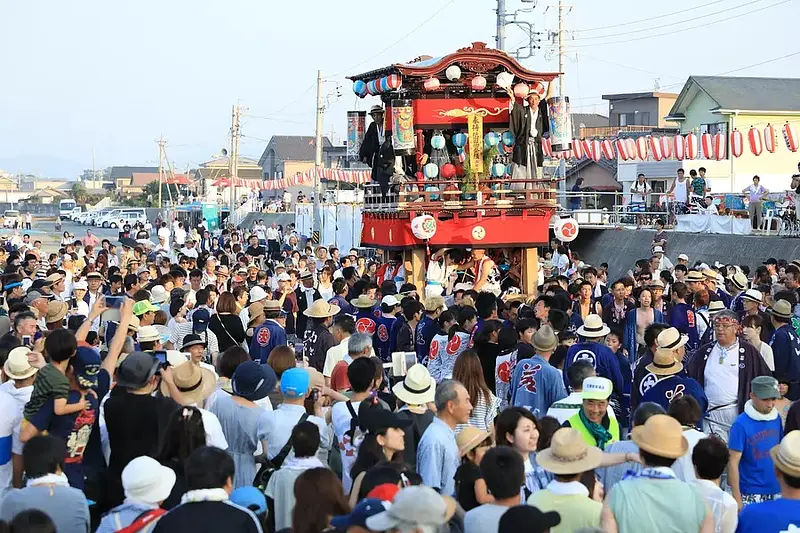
[
  {"x": 365, "y": 508},
  {"x": 200, "y": 320},
  {"x": 86, "y": 366},
  {"x": 250, "y": 498},
  {"x": 295, "y": 382}
]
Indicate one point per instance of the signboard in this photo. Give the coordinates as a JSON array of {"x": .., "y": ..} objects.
[
  {"x": 211, "y": 214},
  {"x": 356, "y": 123},
  {"x": 475, "y": 135}
]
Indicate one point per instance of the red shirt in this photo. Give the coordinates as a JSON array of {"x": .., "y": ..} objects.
[{"x": 339, "y": 379}]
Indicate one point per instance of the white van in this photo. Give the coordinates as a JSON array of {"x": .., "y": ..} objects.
[{"x": 117, "y": 217}]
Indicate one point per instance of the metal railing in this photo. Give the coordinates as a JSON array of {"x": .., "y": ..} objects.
[
  {"x": 438, "y": 195},
  {"x": 241, "y": 212}
]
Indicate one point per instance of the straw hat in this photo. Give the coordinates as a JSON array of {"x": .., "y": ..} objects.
[
  {"x": 780, "y": 309},
  {"x": 739, "y": 280},
  {"x": 715, "y": 307},
  {"x": 363, "y": 302},
  {"x": 593, "y": 327},
  {"x": 569, "y": 454},
  {"x": 710, "y": 275},
  {"x": 417, "y": 387},
  {"x": 661, "y": 435},
  {"x": 469, "y": 438},
  {"x": 664, "y": 363},
  {"x": 786, "y": 455},
  {"x": 695, "y": 276},
  {"x": 753, "y": 295},
  {"x": 322, "y": 309},
  {"x": 195, "y": 383},
  {"x": 256, "y": 311},
  {"x": 545, "y": 340},
  {"x": 17, "y": 365},
  {"x": 56, "y": 311}
]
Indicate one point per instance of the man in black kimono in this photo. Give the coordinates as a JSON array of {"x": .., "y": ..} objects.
[
  {"x": 373, "y": 140},
  {"x": 528, "y": 121}
]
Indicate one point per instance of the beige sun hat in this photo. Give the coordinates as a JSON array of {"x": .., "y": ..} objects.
[
  {"x": 17, "y": 365},
  {"x": 195, "y": 383},
  {"x": 322, "y": 309},
  {"x": 569, "y": 453},
  {"x": 593, "y": 327},
  {"x": 417, "y": 387},
  {"x": 664, "y": 363},
  {"x": 469, "y": 438},
  {"x": 786, "y": 455},
  {"x": 661, "y": 435},
  {"x": 545, "y": 340}
]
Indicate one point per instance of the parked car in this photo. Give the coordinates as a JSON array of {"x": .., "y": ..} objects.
[
  {"x": 73, "y": 215},
  {"x": 119, "y": 217},
  {"x": 9, "y": 217},
  {"x": 81, "y": 218},
  {"x": 95, "y": 215}
]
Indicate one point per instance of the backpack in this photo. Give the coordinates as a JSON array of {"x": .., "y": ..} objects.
[{"x": 268, "y": 467}]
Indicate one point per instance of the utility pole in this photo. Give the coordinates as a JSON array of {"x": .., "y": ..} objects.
[
  {"x": 234, "y": 156},
  {"x": 500, "y": 39},
  {"x": 161, "y": 145},
  {"x": 318, "y": 160},
  {"x": 562, "y": 52}
]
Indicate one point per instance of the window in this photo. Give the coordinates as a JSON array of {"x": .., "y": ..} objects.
[
  {"x": 713, "y": 129},
  {"x": 658, "y": 186},
  {"x": 622, "y": 119},
  {"x": 645, "y": 118}
]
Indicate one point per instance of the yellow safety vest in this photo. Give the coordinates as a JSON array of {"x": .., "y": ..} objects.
[{"x": 576, "y": 423}]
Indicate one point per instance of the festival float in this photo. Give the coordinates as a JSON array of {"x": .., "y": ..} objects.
[{"x": 453, "y": 139}]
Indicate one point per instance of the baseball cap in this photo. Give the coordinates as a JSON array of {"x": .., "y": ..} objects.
[
  {"x": 683, "y": 257},
  {"x": 418, "y": 504},
  {"x": 86, "y": 366},
  {"x": 136, "y": 370},
  {"x": 373, "y": 418},
  {"x": 385, "y": 492},
  {"x": 144, "y": 306},
  {"x": 200, "y": 320},
  {"x": 283, "y": 276},
  {"x": 365, "y": 509},
  {"x": 596, "y": 388},
  {"x": 295, "y": 382},
  {"x": 80, "y": 285},
  {"x": 529, "y": 519},
  {"x": 32, "y": 296},
  {"x": 390, "y": 300},
  {"x": 765, "y": 388},
  {"x": 770, "y": 261},
  {"x": 250, "y": 498}
]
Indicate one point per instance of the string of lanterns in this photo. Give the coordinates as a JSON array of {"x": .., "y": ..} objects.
[{"x": 679, "y": 147}]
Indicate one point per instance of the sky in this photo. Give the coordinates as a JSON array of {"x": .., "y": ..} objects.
[{"x": 93, "y": 80}]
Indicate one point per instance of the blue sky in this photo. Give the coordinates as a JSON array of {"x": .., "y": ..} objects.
[{"x": 109, "y": 77}]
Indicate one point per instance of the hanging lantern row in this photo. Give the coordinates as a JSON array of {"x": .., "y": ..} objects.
[
  {"x": 689, "y": 147},
  {"x": 378, "y": 86}
]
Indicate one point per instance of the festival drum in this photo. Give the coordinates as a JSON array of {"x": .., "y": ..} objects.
[
  {"x": 560, "y": 124},
  {"x": 403, "y": 128}
]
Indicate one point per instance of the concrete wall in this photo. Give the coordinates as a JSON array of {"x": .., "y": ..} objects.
[{"x": 621, "y": 248}]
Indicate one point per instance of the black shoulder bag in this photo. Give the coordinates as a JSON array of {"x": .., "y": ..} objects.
[{"x": 268, "y": 467}]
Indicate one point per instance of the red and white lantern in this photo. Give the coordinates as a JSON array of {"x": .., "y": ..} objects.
[
  {"x": 431, "y": 84},
  {"x": 679, "y": 145},
  {"x": 478, "y": 83},
  {"x": 587, "y": 147},
  {"x": 596, "y": 150},
  {"x": 547, "y": 147},
  {"x": 719, "y": 146},
  {"x": 769, "y": 139},
  {"x": 737, "y": 143},
  {"x": 641, "y": 148},
  {"x": 630, "y": 147},
  {"x": 707, "y": 144},
  {"x": 755, "y": 141},
  {"x": 790, "y": 136},
  {"x": 666, "y": 147},
  {"x": 608, "y": 149},
  {"x": 394, "y": 81},
  {"x": 655, "y": 148},
  {"x": 622, "y": 150},
  {"x": 577, "y": 148},
  {"x": 692, "y": 146}
]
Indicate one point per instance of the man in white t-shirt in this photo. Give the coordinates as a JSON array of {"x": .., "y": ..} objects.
[
  {"x": 361, "y": 374},
  {"x": 180, "y": 235},
  {"x": 163, "y": 236}
]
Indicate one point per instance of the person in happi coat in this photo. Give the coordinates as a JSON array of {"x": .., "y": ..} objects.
[
  {"x": 591, "y": 348},
  {"x": 683, "y": 316},
  {"x": 536, "y": 384},
  {"x": 725, "y": 370},
  {"x": 671, "y": 382}
]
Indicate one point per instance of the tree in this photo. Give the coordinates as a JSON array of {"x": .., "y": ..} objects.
[{"x": 79, "y": 193}]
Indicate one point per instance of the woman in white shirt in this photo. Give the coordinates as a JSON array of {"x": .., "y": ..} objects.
[{"x": 751, "y": 328}]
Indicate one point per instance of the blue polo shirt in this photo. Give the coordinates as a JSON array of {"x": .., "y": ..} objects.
[{"x": 754, "y": 439}]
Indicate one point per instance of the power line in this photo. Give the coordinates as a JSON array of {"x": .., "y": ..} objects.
[
  {"x": 665, "y": 15},
  {"x": 398, "y": 41},
  {"x": 751, "y": 2},
  {"x": 705, "y": 25},
  {"x": 628, "y": 66},
  {"x": 274, "y": 119}
]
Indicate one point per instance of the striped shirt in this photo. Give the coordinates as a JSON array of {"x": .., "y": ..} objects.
[{"x": 483, "y": 413}]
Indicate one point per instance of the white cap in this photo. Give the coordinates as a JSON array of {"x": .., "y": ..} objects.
[
  {"x": 81, "y": 285},
  {"x": 658, "y": 250},
  {"x": 145, "y": 480},
  {"x": 283, "y": 276},
  {"x": 390, "y": 300},
  {"x": 257, "y": 294},
  {"x": 683, "y": 257},
  {"x": 596, "y": 388}
]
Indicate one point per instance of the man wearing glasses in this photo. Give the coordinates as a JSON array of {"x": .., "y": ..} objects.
[{"x": 724, "y": 369}]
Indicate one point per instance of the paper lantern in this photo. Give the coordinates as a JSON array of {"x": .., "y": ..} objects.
[
  {"x": 679, "y": 147},
  {"x": 431, "y": 84},
  {"x": 383, "y": 83},
  {"x": 432, "y": 188},
  {"x": 692, "y": 146},
  {"x": 507, "y": 138},
  {"x": 420, "y": 175},
  {"x": 431, "y": 170},
  {"x": 547, "y": 148},
  {"x": 453, "y": 73},
  {"x": 566, "y": 229},
  {"x": 790, "y": 136},
  {"x": 597, "y": 151},
  {"x": 460, "y": 172},
  {"x": 521, "y": 90},
  {"x": 587, "y": 147},
  {"x": 719, "y": 146},
  {"x": 755, "y": 141},
  {"x": 360, "y": 88},
  {"x": 498, "y": 170},
  {"x": 577, "y": 148},
  {"x": 655, "y": 148},
  {"x": 478, "y": 83},
  {"x": 505, "y": 79},
  {"x": 641, "y": 148},
  {"x": 438, "y": 142},
  {"x": 394, "y": 81},
  {"x": 607, "y": 148},
  {"x": 448, "y": 171},
  {"x": 460, "y": 139},
  {"x": 622, "y": 152},
  {"x": 769, "y": 139},
  {"x": 373, "y": 88},
  {"x": 707, "y": 145},
  {"x": 423, "y": 227},
  {"x": 491, "y": 139},
  {"x": 666, "y": 146},
  {"x": 630, "y": 148},
  {"x": 737, "y": 143}
]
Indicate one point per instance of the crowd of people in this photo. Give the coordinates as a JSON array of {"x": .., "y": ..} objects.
[{"x": 256, "y": 384}]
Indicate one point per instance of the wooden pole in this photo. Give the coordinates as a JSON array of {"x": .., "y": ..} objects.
[
  {"x": 417, "y": 275},
  {"x": 530, "y": 271}
]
